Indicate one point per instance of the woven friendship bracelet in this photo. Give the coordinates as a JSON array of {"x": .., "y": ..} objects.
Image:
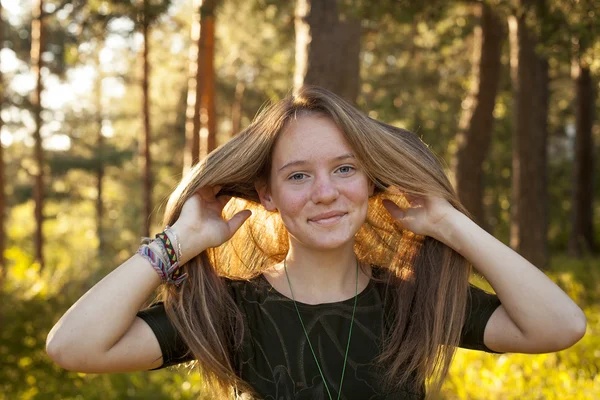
[
  {"x": 164, "y": 256},
  {"x": 155, "y": 261},
  {"x": 168, "y": 274},
  {"x": 175, "y": 240},
  {"x": 168, "y": 246},
  {"x": 161, "y": 247}
]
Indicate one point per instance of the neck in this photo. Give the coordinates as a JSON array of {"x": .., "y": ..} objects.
[
  {"x": 323, "y": 269},
  {"x": 319, "y": 276}
]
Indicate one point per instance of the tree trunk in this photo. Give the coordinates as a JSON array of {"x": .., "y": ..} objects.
[
  {"x": 100, "y": 160},
  {"x": 476, "y": 123},
  {"x": 145, "y": 156},
  {"x": 2, "y": 183},
  {"x": 236, "y": 108},
  {"x": 581, "y": 240},
  {"x": 208, "y": 133},
  {"x": 529, "y": 217},
  {"x": 327, "y": 49},
  {"x": 37, "y": 45},
  {"x": 192, "y": 124},
  {"x": 200, "y": 127}
]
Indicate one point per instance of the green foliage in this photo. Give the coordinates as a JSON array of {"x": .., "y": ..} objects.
[
  {"x": 32, "y": 302},
  {"x": 27, "y": 373},
  {"x": 62, "y": 162}
]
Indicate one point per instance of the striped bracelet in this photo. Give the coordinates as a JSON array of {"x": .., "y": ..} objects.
[
  {"x": 166, "y": 241},
  {"x": 175, "y": 240},
  {"x": 168, "y": 274}
]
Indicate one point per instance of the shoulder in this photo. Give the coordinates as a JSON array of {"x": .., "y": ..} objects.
[
  {"x": 479, "y": 308},
  {"x": 254, "y": 290}
]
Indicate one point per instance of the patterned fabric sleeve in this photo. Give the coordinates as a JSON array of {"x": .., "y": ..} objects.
[
  {"x": 480, "y": 306},
  {"x": 174, "y": 350}
]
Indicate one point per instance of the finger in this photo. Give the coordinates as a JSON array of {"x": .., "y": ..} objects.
[
  {"x": 224, "y": 199},
  {"x": 216, "y": 189},
  {"x": 411, "y": 198},
  {"x": 237, "y": 220},
  {"x": 395, "y": 211},
  {"x": 205, "y": 192}
]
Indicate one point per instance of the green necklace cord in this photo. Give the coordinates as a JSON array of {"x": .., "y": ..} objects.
[{"x": 306, "y": 333}]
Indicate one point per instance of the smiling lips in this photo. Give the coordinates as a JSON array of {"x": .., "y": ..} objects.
[{"x": 328, "y": 218}]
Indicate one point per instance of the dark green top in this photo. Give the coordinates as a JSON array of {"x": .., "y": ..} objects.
[{"x": 276, "y": 360}]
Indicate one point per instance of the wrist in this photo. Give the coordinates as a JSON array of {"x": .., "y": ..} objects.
[
  {"x": 447, "y": 230},
  {"x": 189, "y": 249}
]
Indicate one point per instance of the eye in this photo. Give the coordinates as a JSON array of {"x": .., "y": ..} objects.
[
  {"x": 297, "y": 176},
  {"x": 346, "y": 169}
]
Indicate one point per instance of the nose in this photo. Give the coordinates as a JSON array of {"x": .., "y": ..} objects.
[{"x": 324, "y": 190}]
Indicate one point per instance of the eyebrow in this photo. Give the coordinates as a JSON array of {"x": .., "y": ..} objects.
[{"x": 302, "y": 162}]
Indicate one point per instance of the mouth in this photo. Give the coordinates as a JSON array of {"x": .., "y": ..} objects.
[{"x": 328, "y": 218}]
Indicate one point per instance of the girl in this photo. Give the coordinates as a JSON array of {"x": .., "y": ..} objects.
[{"x": 349, "y": 281}]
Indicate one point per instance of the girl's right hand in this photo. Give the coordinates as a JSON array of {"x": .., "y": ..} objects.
[{"x": 200, "y": 224}]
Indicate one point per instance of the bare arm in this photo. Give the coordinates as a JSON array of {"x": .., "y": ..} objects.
[
  {"x": 536, "y": 316},
  {"x": 100, "y": 332}
]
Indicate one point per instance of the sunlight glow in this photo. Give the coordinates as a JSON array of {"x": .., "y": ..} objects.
[
  {"x": 75, "y": 91},
  {"x": 23, "y": 83},
  {"x": 10, "y": 63},
  {"x": 57, "y": 142},
  {"x": 16, "y": 10},
  {"x": 54, "y": 141},
  {"x": 6, "y": 138},
  {"x": 106, "y": 56},
  {"x": 113, "y": 87},
  {"x": 107, "y": 128}
]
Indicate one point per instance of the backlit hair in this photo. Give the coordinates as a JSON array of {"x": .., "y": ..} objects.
[{"x": 427, "y": 281}]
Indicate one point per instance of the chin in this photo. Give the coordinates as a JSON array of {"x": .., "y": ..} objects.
[
  {"x": 331, "y": 238},
  {"x": 328, "y": 243}
]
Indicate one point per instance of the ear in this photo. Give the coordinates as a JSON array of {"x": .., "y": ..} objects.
[
  {"x": 264, "y": 194},
  {"x": 371, "y": 188}
]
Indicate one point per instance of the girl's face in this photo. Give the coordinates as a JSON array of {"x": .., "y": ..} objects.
[{"x": 316, "y": 184}]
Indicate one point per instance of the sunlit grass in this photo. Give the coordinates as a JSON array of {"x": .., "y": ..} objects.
[{"x": 568, "y": 374}]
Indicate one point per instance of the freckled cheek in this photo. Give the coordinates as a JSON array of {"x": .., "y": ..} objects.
[
  {"x": 358, "y": 192},
  {"x": 292, "y": 204}
]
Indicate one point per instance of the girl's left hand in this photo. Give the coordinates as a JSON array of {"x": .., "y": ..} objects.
[{"x": 424, "y": 216}]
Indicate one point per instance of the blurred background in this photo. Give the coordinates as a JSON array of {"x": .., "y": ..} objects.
[{"x": 105, "y": 104}]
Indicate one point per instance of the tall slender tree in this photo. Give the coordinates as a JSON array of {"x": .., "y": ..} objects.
[
  {"x": 574, "y": 34},
  {"x": 529, "y": 72},
  {"x": 200, "y": 127},
  {"x": 100, "y": 151},
  {"x": 327, "y": 48},
  {"x": 581, "y": 239},
  {"x": 2, "y": 183},
  {"x": 192, "y": 124},
  {"x": 476, "y": 122},
  {"x": 208, "y": 115},
  {"x": 145, "y": 139},
  {"x": 37, "y": 48}
]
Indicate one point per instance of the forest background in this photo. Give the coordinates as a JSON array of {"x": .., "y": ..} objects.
[{"x": 105, "y": 104}]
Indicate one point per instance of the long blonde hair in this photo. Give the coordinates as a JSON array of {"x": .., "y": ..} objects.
[{"x": 427, "y": 281}]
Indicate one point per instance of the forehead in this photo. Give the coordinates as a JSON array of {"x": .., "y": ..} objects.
[{"x": 309, "y": 138}]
